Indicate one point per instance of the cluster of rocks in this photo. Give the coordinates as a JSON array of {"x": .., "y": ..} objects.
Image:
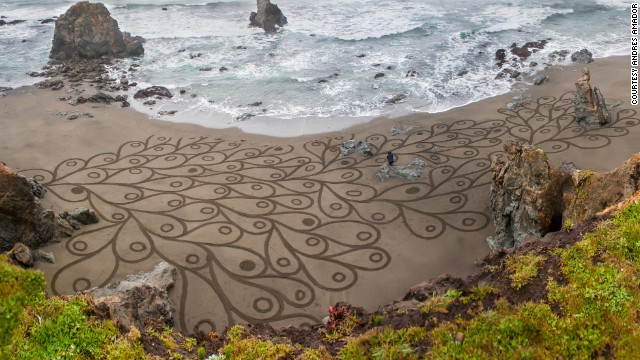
[
  {"x": 100, "y": 98},
  {"x": 53, "y": 84},
  {"x": 356, "y": 146},
  {"x": 22, "y": 218},
  {"x": 268, "y": 17},
  {"x": 399, "y": 130},
  {"x": 26, "y": 225},
  {"x": 512, "y": 61},
  {"x": 530, "y": 197},
  {"x": 412, "y": 171},
  {"x": 520, "y": 53}
]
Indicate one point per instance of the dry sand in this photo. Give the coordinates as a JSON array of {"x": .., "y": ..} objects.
[{"x": 278, "y": 229}]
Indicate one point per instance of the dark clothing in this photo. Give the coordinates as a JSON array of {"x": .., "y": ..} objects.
[{"x": 390, "y": 160}]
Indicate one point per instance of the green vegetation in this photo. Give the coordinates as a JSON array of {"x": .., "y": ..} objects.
[
  {"x": 375, "y": 320},
  {"x": 36, "y": 327},
  {"x": 385, "y": 344},
  {"x": 242, "y": 347},
  {"x": 591, "y": 310},
  {"x": 523, "y": 268},
  {"x": 599, "y": 303}
]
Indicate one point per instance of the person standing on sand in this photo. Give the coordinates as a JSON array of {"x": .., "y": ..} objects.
[{"x": 390, "y": 160}]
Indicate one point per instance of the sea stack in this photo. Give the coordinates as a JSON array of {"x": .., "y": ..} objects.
[
  {"x": 269, "y": 16},
  {"x": 87, "y": 31},
  {"x": 589, "y": 104}
]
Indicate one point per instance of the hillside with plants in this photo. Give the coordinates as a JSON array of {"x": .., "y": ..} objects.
[{"x": 572, "y": 294}]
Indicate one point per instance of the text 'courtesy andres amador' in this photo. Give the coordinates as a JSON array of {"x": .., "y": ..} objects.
[{"x": 634, "y": 54}]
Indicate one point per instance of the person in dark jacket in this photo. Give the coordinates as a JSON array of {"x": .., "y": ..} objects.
[{"x": 390, "y": 160}]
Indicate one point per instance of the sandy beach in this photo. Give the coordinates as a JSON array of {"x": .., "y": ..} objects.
[{"x": 278, "y": 229}]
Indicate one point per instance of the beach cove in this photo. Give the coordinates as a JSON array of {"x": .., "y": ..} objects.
[{"x": 277, "y": 229}]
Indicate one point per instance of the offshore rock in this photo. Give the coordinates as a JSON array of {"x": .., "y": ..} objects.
[
  {"x": 153, "y": 91},
  {"x": 269, "y": 17},
  {"x": 526, "y": 195},
  {"x": 412, "y": 172},
  {"x": 139, "y": 300},
  {"x": 87, "y": 31},
  {"x": 589, "y": 104},
  {"x": 351, "y": 146},
  {"x": 22, "y": 218}
]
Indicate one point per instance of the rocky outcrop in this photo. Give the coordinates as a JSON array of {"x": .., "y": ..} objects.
[
  {"x": 87, "y": 31},
  {"x": 139, "y": 300},
  {"x": 13, "y": 22},
  {"x": 69, "y": 221},
  {"x": 412, "y": 171},
  {"x": 593, "y": 192},
  {"x": 351, "y": 146},
  {"x": 526, "y": 195},
  {"x": 22, "y": 218},
  {"x": 269, "y": 17},
  {"x": 583, "y": 56},
  {"x": 159, "y": 91},
  {"x": 589, "y": 104},
  {"x": 21, "y": 255}
]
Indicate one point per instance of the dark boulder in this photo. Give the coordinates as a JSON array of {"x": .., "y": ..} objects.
[
  {"x": 87, "y": 31},
  {"x": 501, "y": 57},
  {"x": 583, "y": 56},
  {"x": 395, "y": 99},
  {"x": 21, "y": 255},
  {"x": 269, "y": 17},
  {"x": 13, "y": 22},
  {"x": 153, "y": 91},
  {"x": 22, "y": 218}
]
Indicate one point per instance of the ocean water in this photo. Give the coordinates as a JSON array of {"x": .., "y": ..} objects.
[{"x": 438, "y": 39}]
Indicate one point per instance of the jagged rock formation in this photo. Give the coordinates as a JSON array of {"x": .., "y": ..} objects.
[
  {"x": 22, "y": 218},
  {"x": 87, "y": 31},
  {"x": 268, "y": 17},
  {"x": 351, "y": 146},
  {"x": 589, "y": 105},
  {"x": 526, "y": 195},
  {"x": 593, "y": 192},
  {"x": 139, "y": 300}
]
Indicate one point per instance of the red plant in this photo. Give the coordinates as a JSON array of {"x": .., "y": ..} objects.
[{"x": 336, "y": 315}]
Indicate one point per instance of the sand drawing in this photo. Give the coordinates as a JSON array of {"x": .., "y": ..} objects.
[{"x": 256, "y": 232}]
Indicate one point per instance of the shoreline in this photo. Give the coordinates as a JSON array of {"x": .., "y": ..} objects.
[
  {"x": 438, "y": 223},
  {"x": 318, "y": 126}
]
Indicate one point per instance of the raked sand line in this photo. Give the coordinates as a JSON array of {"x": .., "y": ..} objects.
[{"x": 275, "y": 233}]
